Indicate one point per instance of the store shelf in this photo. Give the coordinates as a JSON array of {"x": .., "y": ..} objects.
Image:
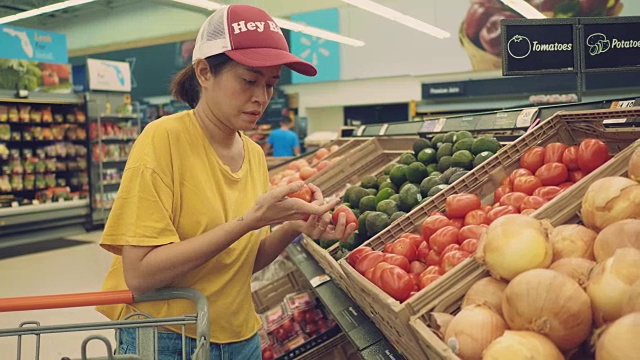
[
  {"x": 117, "y": 117},
  {"x": 41, "y": 98},
  {"x": 112, "y": 138},
  {"x": 364, "y": 335}
]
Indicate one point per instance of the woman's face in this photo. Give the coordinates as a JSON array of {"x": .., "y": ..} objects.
[{"x": 238, "y": 95}]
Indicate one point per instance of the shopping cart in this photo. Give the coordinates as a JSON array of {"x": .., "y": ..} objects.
[{"x": 147, "y": 327}]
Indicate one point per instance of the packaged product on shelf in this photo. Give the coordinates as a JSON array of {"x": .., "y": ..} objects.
[
  {"x": 50, "y": 180},
  {"x": 25, "y": 113},
  {"x": 41, "y": 165},
  {"x": 93, "y": 131},
  {"x": 5, "y": 185},
  {"x": 81, "y": 117},
  {"x": 5, "y": 132},
  {"x": 16, "y": 136},
  {"x": 58, "y": 118},
  {"x": 81, "y": 133},
  {"x": 4, "y": 151},
  {"x": 266, "y": 345},
  {"x": 47, "y": 115},
  {"x": 27, "y": 135},
  {"x": 47, "y": 134},
  {"x": 36, "y": 133},
  {"x": 58, "y": 132},
  {"x": 71, "y": 118},
  {"x": 36, "y": 115},
  {"x": 29, "y": 181},
  {"x": 281, "y": 327},
  {"x": 51, "y": 164},
  {"x": 61, "y": 149},
  {"x": 4, "y": 113},
  {"x": 16, "y": 182},
  {"x": 14, "y": 115},
  {"x": 61, "y": 182}
]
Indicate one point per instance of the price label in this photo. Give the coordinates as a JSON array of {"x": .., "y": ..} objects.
[
  {"x": 526, "y": 117},
  {"x": 319, "y": 280},
  {"x": 619, "y": 105},
  {"x": 440, "y": 124}
]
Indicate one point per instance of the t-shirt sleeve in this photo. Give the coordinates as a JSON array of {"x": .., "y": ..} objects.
[{"x": 296, "y": 142}]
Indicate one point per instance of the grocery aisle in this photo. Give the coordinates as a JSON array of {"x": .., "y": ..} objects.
[{"x": 79, "y": 268}]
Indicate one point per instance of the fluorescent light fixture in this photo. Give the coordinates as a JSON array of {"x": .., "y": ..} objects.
[
  {"x": 399, "y": 17},
  {"x": 43, "y": 10},
  {"x": 293, "y": 26},
  {"x": 525, "y": 9}
]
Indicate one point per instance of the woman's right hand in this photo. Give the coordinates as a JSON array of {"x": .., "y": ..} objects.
[{"x": 275, "y": 207}]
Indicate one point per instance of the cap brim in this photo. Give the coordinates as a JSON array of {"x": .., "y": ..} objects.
[{"x": 263, "y": 57}]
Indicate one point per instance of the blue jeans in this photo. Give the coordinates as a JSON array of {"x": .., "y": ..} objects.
[{"x": 170, "y": 347}]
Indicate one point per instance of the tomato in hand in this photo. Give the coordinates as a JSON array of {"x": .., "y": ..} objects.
[
  {"x": 423, "y": 252},
  {"x": 452, "y": 259},
  {"x": 368, "y": 261},
  {"x": 428, "y": 279},
  {"x": 433, "y": 258},
  {"x": 570, "y": 158},
  {"x": 304, "y": 193},
  {"x": 476, "y": 217},
  {"x": 553, "y": 152},
  {"x": 547, "y": 192},
  {"x": 350, "y": 216},
  {"x": 552, "y": 174},
  {"x": 514, "y": 199},
  {"x": 417, "y": 267},
  {"x": 591, "y": 154},
  {"x": 526, "y": 184},
  {"x": 457, "y": 206},
  {"x": 519, "y": 173},
  {"x": 356, "y": 254},
  {"x": 532, "y": 159},
  {"x": 405, "y": 248},
  {"x": 575, "y": 176},
  {"x": 396, "y": 282},
  {"x": 471, "y": 232},
  {"x": 501, "y": 211},
  {"x": 501, "y": 191},
  {"x": 444, "y": 237},
  {"x": 532, "y": 202},
  {"x": 469, "y": 245},
  {"x": 433, "y": 224},
  {"x": 397, "y": 260}
]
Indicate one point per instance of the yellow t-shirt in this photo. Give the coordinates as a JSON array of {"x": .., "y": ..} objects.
[{"x": 175, "y": 187}]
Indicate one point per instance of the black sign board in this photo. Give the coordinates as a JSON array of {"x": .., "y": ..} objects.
[
  {"x": 610, "y": 44},
  {"x": 534, "y": 46},
  {"x": 442, "y": 90}
]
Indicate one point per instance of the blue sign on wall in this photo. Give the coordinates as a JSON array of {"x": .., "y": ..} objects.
[
  {"x": 33, "y": 45},
  {"x": 323, "y": 54}
]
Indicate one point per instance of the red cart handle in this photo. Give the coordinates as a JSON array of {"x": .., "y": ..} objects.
[{"x": 66, "y": 300}]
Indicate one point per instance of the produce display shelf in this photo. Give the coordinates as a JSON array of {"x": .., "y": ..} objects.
[{"x": 359, "y": 329}]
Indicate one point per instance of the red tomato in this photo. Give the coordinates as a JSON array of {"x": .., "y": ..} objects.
[
  {"x": 423, "y": 252},
  {"x": 417, "y": 267},
  {"x": 433, "y": 224},
  {"x": 570, "y": 158},
  {"x": 500, "y": 192},
  {"x": 433, "y": 258},
  {"x": 469, "y": 245},
  {"x": 369, "y": 274},
  {"x": 416, "y": 281},
  {"x": 267, "y": 354},
  {"x": 487, "y": 208},
  {"x": 476, "y": 217},
  {"x": 405, "y": 248},
  {"x": 369, "y": 260},
  {"x": 414, "y": 238},
  {"x": 459, "y": 223},
  {"x": 288, "y": 325},
  {"x": 547, "y": 192},
  {"x": 553, "y": 152},
  {"x": 514, "y": 199},
  {"x": 298, "y": 316},
  {"x": 433, "y": 269},
  {"x": 302, "y": 194},
  {"x": 376, "y": 271},
  {"x": 350, "y": 217},
  {"x": 591, "y": 154},
  {"x": 356, "y": 254},
  {"x": 387, "y": 248},
  {"x": 427, "y": 280},
  {"x": 450, "y": 248},
  {"x": 444, "y": 237},
  {"x": 281, "y": 335},
  {"x": 566, "y": 185},
  {"x": 519, "y": 173},
  {"x": 575, "y": 176},
  {"x": 396, "y": 282},
  {"x": 532, "y": 159},
  {"x": 452, "y": 259},
  {"x": 436, "y": 213},
  {"x": 471, "y": 232},
  {"x": 501, "y": 211},
  {"x": 507, "y": 182},
  {"x": 532, "y": 202},
  {"x": 397, "y": 260},
  {"x": 457, "y": 206},
  {"x": 526, "y": 184},
  {"x": 309, "y": 316},
  {"x": 552, "y": 174}
]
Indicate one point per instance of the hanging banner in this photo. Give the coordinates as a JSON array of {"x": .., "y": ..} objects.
[
  {"x": 33, "y": 45},
  {"x": 108, "y": 75}
]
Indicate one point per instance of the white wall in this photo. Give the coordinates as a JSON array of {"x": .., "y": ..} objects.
[{"x": 325, "y": 118}]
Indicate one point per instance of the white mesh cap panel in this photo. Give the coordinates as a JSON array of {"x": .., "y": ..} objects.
[{"x": 213, "y": 37}]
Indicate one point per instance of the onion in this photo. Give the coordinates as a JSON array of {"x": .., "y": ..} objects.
[
  {"x": 522, "y": 345},
  {"x": 439, "y": 322},
  {"x": 619, "y": 341},
  {"x": 634, "y": 165},
  {"x": 572, "y": 240},
  {"x": 488, "y": 292},
  {"x": 624, "y": 233},
  {"x": 576, "y": 268},
  {"x": 472, "y": 330},
  {"x": 514, "y": 244},
  {"x": 610, "y": 199},
  {"x": 610, "y": 284},
  {"x": 548, "y": 303},
  {"x": 632, "y": 303}
]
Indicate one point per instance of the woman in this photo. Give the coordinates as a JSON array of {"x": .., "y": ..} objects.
[{"x": 194, "y": 207}]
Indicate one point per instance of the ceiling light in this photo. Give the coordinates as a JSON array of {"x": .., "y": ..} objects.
[
  {"x": 43, "y": 10},
  {"x": 286, "y": 24},
  {"x": 525, "y": 9},
  {"x": 399, "y": 17}
]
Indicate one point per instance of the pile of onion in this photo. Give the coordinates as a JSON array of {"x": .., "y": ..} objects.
[
  {"x": 624, "y": 233},
  {"x": 522, "y": 345},
  {"x": 632, "y": 303},
  {"x": 609, "y": 200},
  {"x": 472, "y": 330},
  {"x": 578, "y": 269},
  {"x": 514, "y": 244},
  {"x": 620, "y": 339},
  {"x": 488, "y": 292},
  {"x": 610, "y": 284},
  {"x": 634, "y": 165},
  {"x": 549, "y": 303},
  {"x": 572, "y": 241}
]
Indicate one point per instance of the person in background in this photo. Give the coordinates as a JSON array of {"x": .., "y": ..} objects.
[
  {"x": 195, "y": 209},
  {"x": 283, "y": 141}
]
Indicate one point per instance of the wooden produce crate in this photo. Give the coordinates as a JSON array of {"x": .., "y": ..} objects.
[
  {"x": 391, "y": 316},
  {"x": 564, "y": 211},
  {"x": 273, "y": 161},
  {"x": 346, "y": 145},
  {"x": 272, "y": 293}
]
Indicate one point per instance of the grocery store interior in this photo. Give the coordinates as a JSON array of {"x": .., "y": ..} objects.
[{"x": 488, "y": 152}]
